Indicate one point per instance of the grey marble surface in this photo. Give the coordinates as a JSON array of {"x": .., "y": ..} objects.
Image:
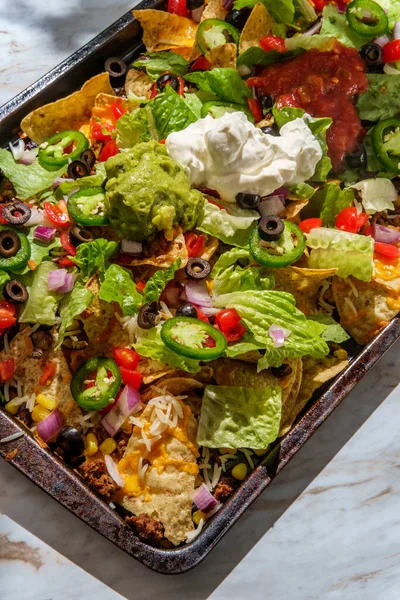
[{"x": 328, "y": 527}]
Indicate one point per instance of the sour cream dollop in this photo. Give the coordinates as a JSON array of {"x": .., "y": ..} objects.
[{"x": 231, "y": 155}]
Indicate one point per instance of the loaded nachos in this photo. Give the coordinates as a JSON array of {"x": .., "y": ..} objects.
[{"x": 189, "y": 243}]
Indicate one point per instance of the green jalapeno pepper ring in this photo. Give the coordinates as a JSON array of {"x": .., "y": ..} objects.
[
  {"x": 82, "y": 203},
  {"x": 275, "y": 261},
  {"x": 175, "y": 330},
  {"x": 377, "y": 139},
  {"x": 51, "y": 154},
  {"x": 103, "y": 391},
  {"x": 208, "y": 24},
  {"x": 21, "y": 257},
  {"x": 356, "y": 14}
]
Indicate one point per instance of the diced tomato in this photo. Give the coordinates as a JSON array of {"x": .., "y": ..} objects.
[
  {"x": 255, "y": 109},
  {"x": 48, "y": 373},
  {"x": 319, "y": 4},
  {"x": 194, "y": 243},
  {"x": 210, "y": 342},
  {"x": 65, "y": 239},
  {"x": 110, "y": 149},
  {"x": 131, "y": 377},
  {"x": 350, "y": 220},
  {"x": 178, "y": 7},
  {"x": 57, "y": 213},
  {"x": 368, "y": 230},
  {"x": 273, "y": 42},
  {"x": 201, "y": 316},
  {"x": 64, "y": 261},
  {"x": 162, "y": 141},
  {"x": 3, "y": 221},
  {"x": 209, "y": 192},
  {"x": 7, "y": 314},
  {"x": 140, "y": 286},
  {"x": 201, "y": 64},
  {"x": 391, "y": 51},
  {"x": 154, "y": 91},
  {"x": 126, "y": 357},
  {"x": 216, "y": 204},
  {"x": 309, "y": 224},
  {"x": 236, "y": 333},
  {"x": 387, "y": 250},
  {"x": 7, "y": 369},
  {"x": 118, "y": 111},
  {"x": 229, "y": 323},
  {"x": 100, "y": 131}
]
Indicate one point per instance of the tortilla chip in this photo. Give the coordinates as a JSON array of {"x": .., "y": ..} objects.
[
  {"x": 214, "y": 9},
  {"x": 70, "y": 112},
  {"x": 222, "y": 56},
  {"x": 166, "y": 29},
  {"x": 167, "y": 490},
  {"x": 138, "y": 83},
  {"x": 303, "y": 284},
  {"x": 210, "y": 246},
  {"x": 258, "y": 25},
  {"x": 365, "y": 307},
  {"x": 292, "y": 209},
  {"x": 164, "y": 254}
]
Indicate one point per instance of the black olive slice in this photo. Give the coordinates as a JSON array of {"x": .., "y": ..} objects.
[
  {"x": 165, "y": 79},
  {"x": 197, "y": 268},
  {"x": 88, "y": 157},
  {"x": 238, "y": 18},
  {"x": 247, "y": 201},
  {"x": 270, "y": 228},
  {"x": 266, "y": 101},
  {"x": 17, "y": 213},
  {"x": 282, "y": 371},
  {"x": 148, "y": 314},
  {"x": 81, "y": 234},
  {"x": 357, "y": 160},
  {"x": 116, "y": 68},
  {"x": 14, "y": 291},
  {"x": 186, "y": 310},
  {"x": 371, "y": 54},
  {"x": 9, "y": 243},
  {"x": 78, "y": 169}
]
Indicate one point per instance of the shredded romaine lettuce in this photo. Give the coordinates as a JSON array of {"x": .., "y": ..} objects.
[
  {"x": 224, "y": 82},
  {"x": 118, "y": 286},
  {"x": 376, "y": 194},
  {"x": 72, "y": 305},
  {"x": 41, "y": 306},
  {"x": 233, "y": 227},
  {"x": 157, "y": 63}
]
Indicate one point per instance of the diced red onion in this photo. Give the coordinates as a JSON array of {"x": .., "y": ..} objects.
[
  {"x": 197, "y": 13},
  {"x": 17, "y": 149},
  {"x": 380, "y": 233},
  {"x": 129, "y": 247},
  {"x": 382, "y": 40},
  {"x": 44, "y": 234},
  {"x": 50, "y": 425},
  {"x": 272, "y": 205},
  {"x": 278, "y": 335},
  {"x": 128, "y": 403},
  {"x": 29, "y": 156},
  {"x": 282, "y": 192},
  {"x": 396, "y": 31},
  {"x": 227, "y": 4},
  {"x": 113, "y": 471},
  {"x": 203, "y": 499},
  {"x": 56, "y": 279},
  {"x": 59, "y": 180},
  {"x": 314, "y": 29},
  {"x": 68, "y": 284},
  {"x": 197, "y": 293},
  {"x": 341, "y": 6}
]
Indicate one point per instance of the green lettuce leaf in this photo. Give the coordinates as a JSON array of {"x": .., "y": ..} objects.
[
  {"x": 304, "y": 14},
  {"x": 327, "y": 202},
  {"x": 149, "y": 343},
  {"x": 133, "y": 128},
  {"x": 156, "y": 284},
  {"x": 224, "y": 82},
  {"x": 159, "y": 62},
  {"x": 334, "y": 24},
  {"x": 333, "y": 332},
  {"x": 41, "y": 306},
  {"x": 4, "y": 277},
  {"x": 392, "y": 8},
  {"x": 194, "y": 103},
  {"x": 257, "y": 56},
  {"x": 229, "y": 277},
  {"x": 281, "y": 11},
  {"x": 28, "y": 180},
  {"x": 118, "y": 286},
  {"x": 349, "y": 253},
  {"x": 382, "y": 98},
  {"x": 93, "y": 256},
  {"x": 308, "y": 42},
  {"x": 71, "y": 306},
  {"x": 39, "y": 251},
  {"x": 261, "y": 309},
  {"x": 239, "y": 417},
  {"x": 377, "y": 195},
  {"x": 302, "y": 190},
  {"x": 232, "y": 228},
  {"x": 65, "y": 189},
  {"x": 171, "y": 112}
]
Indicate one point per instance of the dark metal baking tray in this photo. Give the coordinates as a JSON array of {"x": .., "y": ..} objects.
[{"x": 50, "y": 474}]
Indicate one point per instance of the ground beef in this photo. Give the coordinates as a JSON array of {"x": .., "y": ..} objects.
[
  {"x": 96, "y": 475},
  {"x": 156, "y": 246},
  {"x": 121, "y": 446},
  {"x": 147, "y": 529},
  {"x": 225, "y": 488},
  {"x": 42, "y": 340},
  {"x": 24, "y": 415}
]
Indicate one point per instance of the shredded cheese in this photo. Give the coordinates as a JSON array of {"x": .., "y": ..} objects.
[
  {"x": 353, "y": 287},
  {"x": 191, "y": 535},
  {"x": 351, "y": 305},
  {"x": 10, "y": 438},
  {"x": 247, "y": 454}
]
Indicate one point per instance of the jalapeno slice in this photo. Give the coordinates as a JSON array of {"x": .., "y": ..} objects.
[
  {"x": 215, "y": 32},
  {"x": 284, "y": 251},
  {"x": 13, "y": 254},
  {"x": 367, "y": 18},
  {"x": 96, "y": 383},
  {"x": 193, "y": 338},
  {"x": 383, "y": 146},
  {"x": 86, "y": 207},
  {"x": 52, "y": 154}
]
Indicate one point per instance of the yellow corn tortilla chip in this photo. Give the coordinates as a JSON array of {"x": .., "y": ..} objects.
[
  {"x": 70, "y": 112},
  {"x": 103, "y": 100},
  {"x": 222, "y": 56},
  {"x": 165, "y": 29},
  {"x": 293, "y": 209},
  {"x": 210, "y": 246},
  {"x": 162, "y": 253},
  {"x": 303, "y": 284},
  {"x": 138, "y": 83},
  {"x": 214, "y": 9},
  {"x": 258, "y": 25}
]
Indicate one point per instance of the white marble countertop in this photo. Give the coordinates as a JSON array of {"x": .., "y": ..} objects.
[{"x": 327, "y": 528}]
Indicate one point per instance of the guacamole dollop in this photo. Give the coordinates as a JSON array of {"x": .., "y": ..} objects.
[{"x": 147, "y": 191}]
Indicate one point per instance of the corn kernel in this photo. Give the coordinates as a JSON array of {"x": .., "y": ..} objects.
[
  {"x": 341, "y": 354},
  {"x": 108, "y": 446},
  {"x": 127, "y": 426},
  {"x": 11, "y": 408},
  {"x": 197, "y": 516},
  {"x": 39, "y": 413},
  {"x": 227, "y": 450},
  {"x": 91, "y": 445},
  {"x": 46, "y": 402},
  {"x": 240, "y": 471},
  {"x": 260, "y": 452}
]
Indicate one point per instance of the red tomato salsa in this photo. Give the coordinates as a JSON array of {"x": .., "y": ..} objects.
[{"x": 324, "y": 84}]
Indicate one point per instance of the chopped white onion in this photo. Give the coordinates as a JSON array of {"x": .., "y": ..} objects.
[
  {"x": 113, "y": 471},
  {"x": 17, "y": 149},
  {"x": 396, "y": 31},
  {"x": 382, "y": 40},
  {"x": 244, "y": 70},
  {"x": 129, "y": 247},
  {"x": 314, "y": 29},
  {"x": 29, "y": 156}
]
